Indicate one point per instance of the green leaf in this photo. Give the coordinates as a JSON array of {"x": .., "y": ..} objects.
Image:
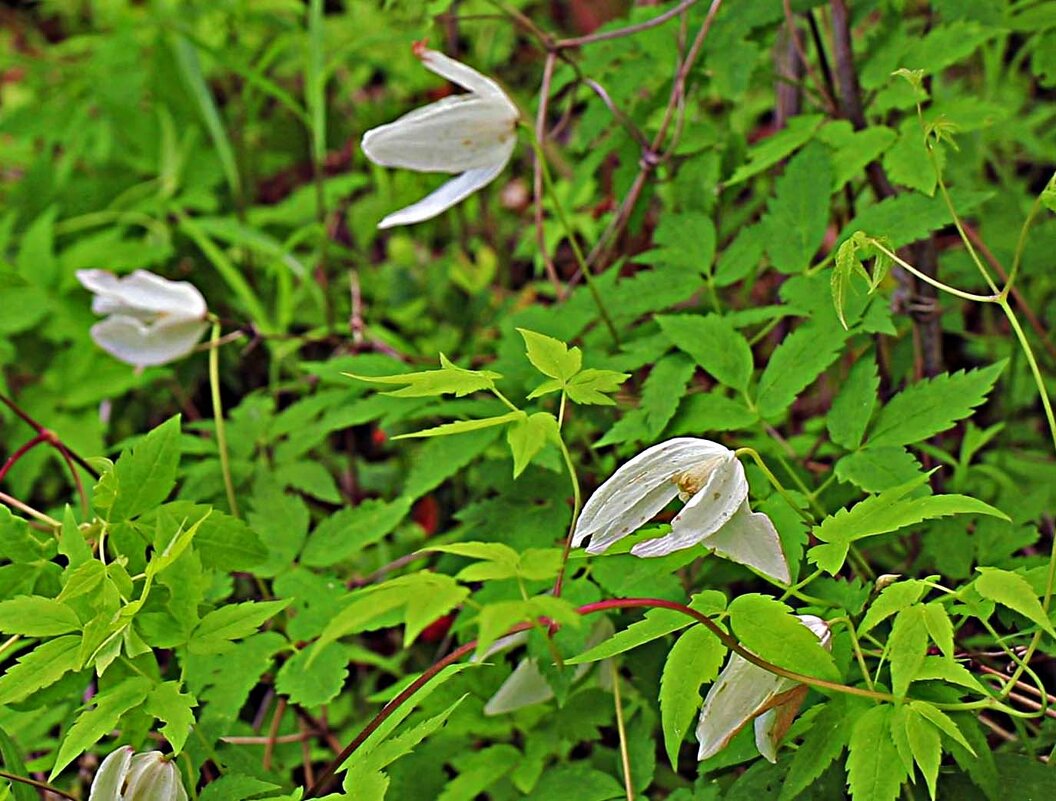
[
  {"x": 939, "y": 626},
  {"x": 167, "y": 703},
  {"x": 926, "y": 745},
  {"x": 316, "y": 683},
  {"x": 701, "y": 412},
  {"x": 441, "y": 458},
  {"x": 232, "y": 622},
  {"x": 907, "y": 647},
  {"x": 224, "y": 542},
  {"x": 907, "y": 162},
  {"x": 853, "y": 406},
  {"x": 823, "y": 743},
  {"x": 1014, "y": 591},
  {"x": 795, "y": 364},
  {"x": 550, "y": 356},
  {"x": 106, "y": 710},
  {"x": 237, "y": 785},
  {"x": 892, "y": 599},
  {"x": 931, "y": 406},
  {"x": 448, "y": 379},
  {"x": 661, "y": 393},
  {"x": 768, "y": 628},
  {"x": 769, "y": 151},
  {"x": 146, "y": 475},
  {"x": 712, "y": 343},
  {"x": 883, "y": 513},
  {"x": 878, "y": 469},
  {"x": 693, "y": 660},
  {"x": 528, "y": 436},
  {"x": 37, "y": 616},
  {"x": 579, "y": 782},
  {"x": 348, "y": 531},
  {"x": 798, "y": 213},
  {"x": 13, "y": 763},
  {"x": 874, "y": 769},
  {"x": 591, "y": 386},
  {"x": 463, "y": 426},
  {"x": 40, "y": 668}
]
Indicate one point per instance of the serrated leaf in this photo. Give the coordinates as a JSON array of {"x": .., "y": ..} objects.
[
  {"x": 1014, "y": 591},
  {"x": 529, "y": 436},
  {"x": 591, "y": 386},
  {"x": 106, "y": 710},
  {"x": 449, "y": 379},
  {"x": 348, "y": 531},
  {"x": 795, "y": 364},
  {"x": 874, "y": 769},
  {"x": 768, "y": 628},
  {"x": 713, "y": 343},
  {"x": 822, "y": 744},
  {"x": 931, "y": 406},
  {"x": 907, "y": 647},
  {"x": 168, "y": 704},
  {"x": 939, "y": 668},
  {"x": 878, "y": 469},
  {"x": 550, "y": 356},
  {"x": 939, "y": 626},
  {"x": 233, "y": 622},
  {"x": 661, "y": 393},
  {"x": 854, "y": 404},
  {"x": 883, "y": 513},
  {"x": 312, "y": 685},
  {"x": 13, "y": 763},
  {"x": 926, "y": 745},
  {"x": 798, "y": 213},
  {"x": 37, "y": 616},
  {"x": 892, "y": 599},
  {"x": 40, "y": 668},
  {"x": 145, "y": 475},
  {"x": 693, "y": 660},
  {"x": 441, "y": 458},
  {"x": 769, "y": 151}
]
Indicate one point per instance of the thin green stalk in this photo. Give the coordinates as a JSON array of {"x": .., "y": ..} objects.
[
  {"x": 570, "y": 234},
  {"x": 929, "y": 280},
  {"x": 577, "y": 506},
  {"x": 777, "y": 485},
  {"x": 1021, "y": 243},
  {"x": 218, "y": 416},
  {"x": 625, "y": 758}
]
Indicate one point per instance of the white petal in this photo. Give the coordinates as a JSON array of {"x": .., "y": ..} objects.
[
  {"x": 457, "y": 72},
  {"x": 738, "y": 695},
  {"x": 764, "y": 734},
  {"x": 445, "y": 197},
  {"x": 452, "y": 135},
  {"x": 639, "y": 489},
  {"x": 749, "y": 538},
  {"x": 706, "y": 512},
  {"x": 136, "y": 343},
  {"x": 141, "y": 293},
  {"x": 106, "y": 786},
  {"x": 524, "y": 687}
]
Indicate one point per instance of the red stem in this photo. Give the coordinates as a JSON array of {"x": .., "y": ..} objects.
[{"x": 14, "y": 457}]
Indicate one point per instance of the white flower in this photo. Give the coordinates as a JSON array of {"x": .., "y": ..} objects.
[
  {"x": 744, "y": 691},
  {"x": 143, "y": 777},
  {"x": 473, "y": 134},
  {"x": 151, "y": 320},
  {"x": 711, "y": 480}
]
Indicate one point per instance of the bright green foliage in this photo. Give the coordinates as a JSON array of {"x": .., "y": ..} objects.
[{"x": 308, "y": 535}]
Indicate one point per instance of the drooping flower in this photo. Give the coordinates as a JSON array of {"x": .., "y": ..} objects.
[
  {"x": 743, "y": 692},
  {"x": 126, "y": 776},
  {"x": 711, "y": 480},
  {"x": 472, "y": 134},
  {"x": 151, "y": 320}
]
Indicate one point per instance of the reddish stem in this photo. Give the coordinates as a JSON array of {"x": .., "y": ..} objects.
[{"x": 14, "y": 457}]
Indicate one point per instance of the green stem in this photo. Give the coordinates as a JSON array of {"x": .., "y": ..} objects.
[
  {"x": 577, "y": 506},
  {"x": 218, "y": 416},
  {"x": 929, "y": 280},
  {"x": 777, "y": 485},
  {"x": 570, "y": 234},
  {"x": 1021, "y": 243}
]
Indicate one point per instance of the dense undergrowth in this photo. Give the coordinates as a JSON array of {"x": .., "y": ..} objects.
[{"x": 817, "y": 240}]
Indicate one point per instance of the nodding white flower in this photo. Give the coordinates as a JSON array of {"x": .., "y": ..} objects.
[
  {"x": 472, "y": 134},
  {"x": 126, "y": 776},
  {"x": 151, "y": 320},
  {"x": 745, "y": 691},
  {"x": 711, "y": 480}
]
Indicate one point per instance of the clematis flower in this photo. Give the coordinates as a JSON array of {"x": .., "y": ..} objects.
[
  {"x": 151, "y": 320},
  {"x": 711, "y": 480},
  {"x": 472, "y": 134},
  {"x": 744, "y": 691},
  {"x": 127, "y": 776}
]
